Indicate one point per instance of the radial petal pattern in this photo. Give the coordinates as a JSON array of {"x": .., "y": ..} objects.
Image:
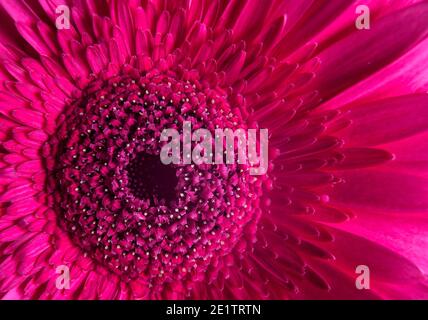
[{"x": 81, "y": 115}]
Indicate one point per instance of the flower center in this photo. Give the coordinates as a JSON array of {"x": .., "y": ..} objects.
[
  {"x": 150, "y": 179},
  {"x": 127, "y": 210}
]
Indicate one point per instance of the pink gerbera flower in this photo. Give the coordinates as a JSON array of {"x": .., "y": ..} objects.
[{"x": 82, "y": 186}]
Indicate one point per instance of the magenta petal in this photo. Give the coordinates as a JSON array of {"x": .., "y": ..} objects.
[
  {"x": 388, "y": 120},
  {"x": 389, "y": 191},
  {"x": 390, "y": 37}
]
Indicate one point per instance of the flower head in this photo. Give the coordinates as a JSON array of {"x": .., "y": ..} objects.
[{"x": 82, "y": 185}]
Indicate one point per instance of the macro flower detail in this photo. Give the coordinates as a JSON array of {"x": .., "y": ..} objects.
[
  {"x": 119, "y": 201},
  {"x": 82, "y": 110}
]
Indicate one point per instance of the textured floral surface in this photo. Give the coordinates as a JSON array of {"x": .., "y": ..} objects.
[{"x": 81, "y": 111}]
